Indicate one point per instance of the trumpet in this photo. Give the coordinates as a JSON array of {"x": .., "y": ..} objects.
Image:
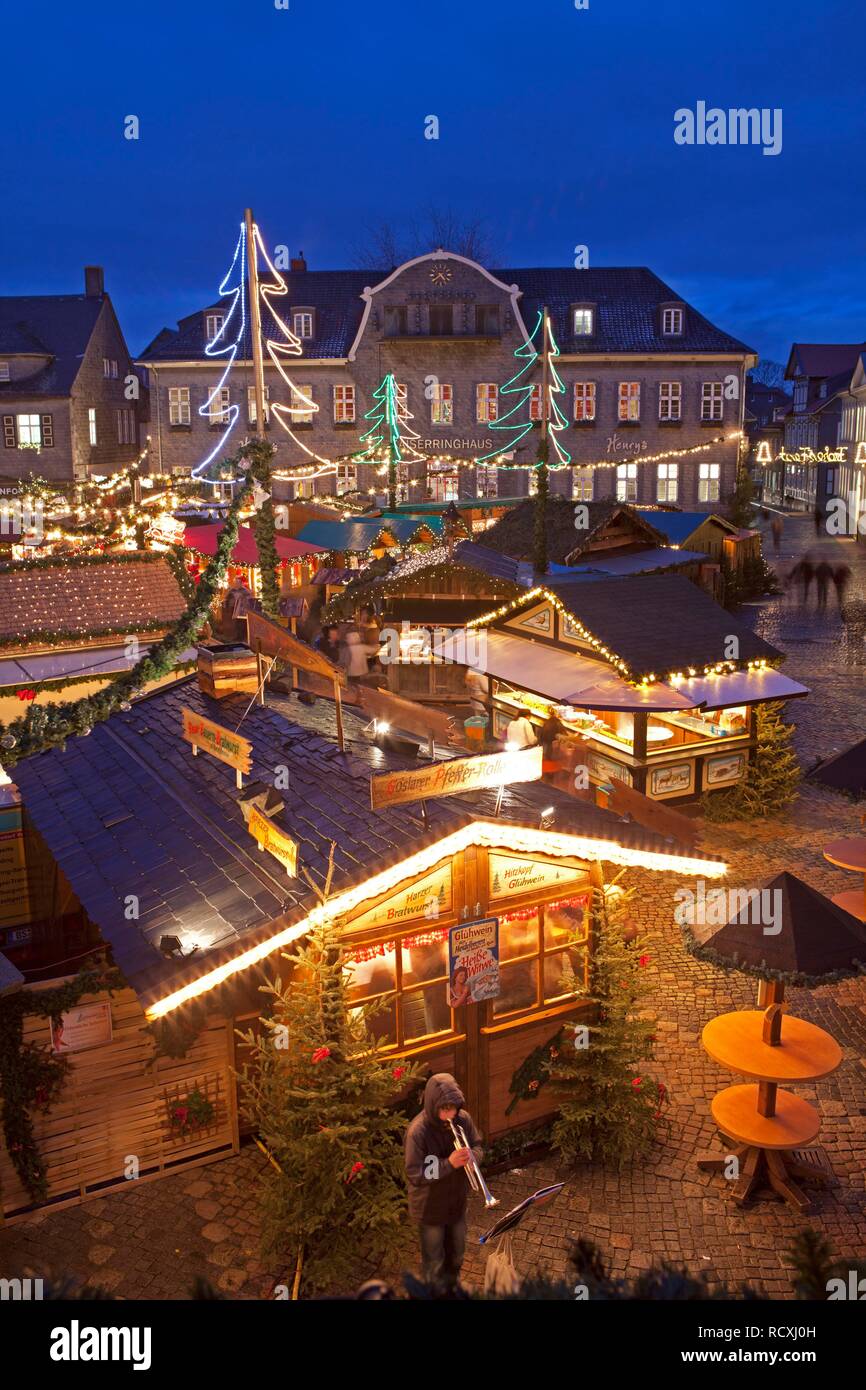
[{"x": 473, "y": 1172}]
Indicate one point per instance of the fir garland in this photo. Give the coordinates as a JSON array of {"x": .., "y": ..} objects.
[
  {"x": 797, "y": 978},
  {"x": 32, "y": 1078},
  {"x": 539, "y": 546},
  {"x": 49, "y": 726},
  {"x": 53, "y": 637},
  {"x": 260, "y": 455},
  {"x": 534, "y": 1070},
  {"x": 47, "y": 562}
]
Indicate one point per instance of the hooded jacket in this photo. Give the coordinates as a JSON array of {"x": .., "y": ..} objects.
[{"x": 437, "y": 1190}]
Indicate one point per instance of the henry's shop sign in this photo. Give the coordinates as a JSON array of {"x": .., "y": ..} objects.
[
  {"x": 473, "y": 962},
  {"x": 512, "y": 875}
]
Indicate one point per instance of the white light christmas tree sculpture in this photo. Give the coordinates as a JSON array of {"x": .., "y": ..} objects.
[{"x": 224, "y": 346}]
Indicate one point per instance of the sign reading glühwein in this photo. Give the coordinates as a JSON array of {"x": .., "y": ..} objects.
[{"x": 455, "y": 776}]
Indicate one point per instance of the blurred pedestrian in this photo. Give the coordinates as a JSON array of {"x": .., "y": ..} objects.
[
  {"x": 819, "y": 521},
  {"x": 841, "y": 580},
  {"x": 776, "y": 527},
  {"x": 823, "y": 578},
  {"x": 328, "y": 642},
  {"x": 807, "y": 574}
]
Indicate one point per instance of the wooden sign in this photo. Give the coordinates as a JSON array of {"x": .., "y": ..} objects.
[
  {"x": 271, "y": 838},
  {"x": 221, "y": 743},
  {"x": 655, "y": 816},
  {"x": 87, "y": 1025},
  {"x": 428, "y": 897},
  {"x": 455, "y": 776},
  {"x": 409, "y": 717},
  {"x": 272, "y": 640},
  {"x": 513, "y": 874}
]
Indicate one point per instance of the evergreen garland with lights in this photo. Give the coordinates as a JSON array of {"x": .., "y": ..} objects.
[{"x": 31, "y": 1077}]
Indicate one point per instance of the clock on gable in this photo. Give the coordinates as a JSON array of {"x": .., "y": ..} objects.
[{"x": 440, "y": 272}]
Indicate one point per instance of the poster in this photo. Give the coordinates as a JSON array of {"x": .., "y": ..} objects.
[
  {"x": 602, "y": 769},
  {"x": 88, "y": 1025},
  {"x": 473, "y": 962},
  {"x": 676, "y": 777},
  {"x": 727, "y": 767}
]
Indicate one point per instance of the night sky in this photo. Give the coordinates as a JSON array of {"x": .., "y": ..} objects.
[{"x": 556, "y": 126}]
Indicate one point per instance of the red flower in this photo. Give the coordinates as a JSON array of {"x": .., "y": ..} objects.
[
  {"x": 636, "y": 1081},
  {"x": 320, "y": 1054},
  {"x": 397, "y": 1073},
  {"x": 533, "y": 1086},
  {"x": 180, "y": 1114},
  {"x": 643, "y": 960},
  {"x": 26, "y": 694},
  {"x": 355, "y": 1169},
  {"x": 661, "y": 1088}
]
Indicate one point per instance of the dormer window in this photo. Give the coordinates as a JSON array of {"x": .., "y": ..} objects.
[
  {"x": 583, "y": 320},
  {"x": 302, "y": 323},
  {"x": 4, "y": 371},
  {"x": 212, "y": 326},
  {"x": 396, "y": 321},
  {"x": 672, "y": 321},
  {"x": 822, "y": 391}
]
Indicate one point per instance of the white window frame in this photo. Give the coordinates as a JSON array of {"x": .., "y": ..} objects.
[
  {"x": 4, "y": 371},
  {"x": 125, "y": 425},
  {"x": 667, "y": 482},
  {"x": 91, "y": 426},
  {"x": 347, "y": 478},
  {"x": 583, "y": 322},
  {"x": 301, "y": 414},
  {"x": 535, "y": 402},
  {"x": 486, "y": 402},
  {"x": 801, "y": 392},
  {"x": 178, "y": 405},
  {"x": 626, "y": 482},
  {"x": 344, "y": 403},
  {"x": 709, "y": 482},
  {"x": 28, "y": 429},
  {"x": 582, "y": 483},
  {"x": 442, "y": 410},
  {"x": 213, "y": 325},
  {"x": 443, "y": 482},
  {"x": 628, "y": 410},
  {"x": 670, "y": 400},
  {"x": 302, "y": 323},
  {"x": 251, "y": 404},
  {"x": 219, "y": 401},
  {"x": 672, "y": 322},
  {"x": 584, "y": 400},
  {"x": 486, "y": 480},
  {"x": 712, "y": 401}
]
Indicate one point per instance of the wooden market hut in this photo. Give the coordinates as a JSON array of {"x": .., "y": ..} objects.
[
  {"x": 297, "y": 560},
  {"x": 654, "y": 683},
  {"x": 128, "y": 811}
]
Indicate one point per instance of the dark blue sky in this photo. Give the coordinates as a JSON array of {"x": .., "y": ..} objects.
[{"x": 555, "y": 124}]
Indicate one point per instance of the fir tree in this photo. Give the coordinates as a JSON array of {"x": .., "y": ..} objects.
[
  {"x": 322, "y": 1098},
  {"x": 772, "y": 778},
  {"x": 609, "y": 1107}
]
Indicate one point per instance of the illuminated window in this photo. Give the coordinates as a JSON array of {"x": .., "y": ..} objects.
[
  {"x": 672, "y": 322},
  {"x": 712, "y": 407},
  {"x": 708, "y": 482},
  {"x": 408, "y": 979},
  {"x": 401, "y": 395},
  {"x": 91, "y": 424},
  {"x": 301, "y": 408},
  {"x": 212, "y": 326},
  {"x": 486, "y": 480},
  {"x": 535, "y": 403},
  {"x": 582, "y": 484},
  {"x": 543, "y": 954},
  {"x": 626, "y": 482},
  {"x": 344, "y": 405},
  {"x": 667, "y": 482},
  {"x": 347, "y": 478},
  {"x": 251, "y": 404},
  {"x": 670, "y": 400},
  {"x": 583, "y": 323},
  {"x": 30, "y": 430},
  {"x": 443, "y": 483},
  {"x": 218, "y": 405},
  {"x": 486, "y": 401},
  {"x": 584, "y": 400},
  {"x": 178, "y": 405},
  {"x": 629, "y": 400},
  {"x": 442, "y": 404}
]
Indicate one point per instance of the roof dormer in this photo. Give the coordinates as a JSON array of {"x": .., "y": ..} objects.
[
  {"x": 583, "y": 318},
  {"x": 672, "y": 319}
]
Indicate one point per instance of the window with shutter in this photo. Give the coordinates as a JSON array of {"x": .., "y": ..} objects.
[{"x": 10, "y": 439}]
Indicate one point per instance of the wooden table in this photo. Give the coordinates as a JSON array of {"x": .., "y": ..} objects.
[
  {"x": 849, "y": 854},
  {"x": 763, "y": 1120}
]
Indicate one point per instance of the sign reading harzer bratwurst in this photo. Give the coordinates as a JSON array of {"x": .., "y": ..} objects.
[{"x": 455, "y": 776}]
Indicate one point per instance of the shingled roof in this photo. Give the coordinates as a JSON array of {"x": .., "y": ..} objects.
[
  {"x": 127, "y": 810},
  {"x": 134, "y": 594},
  {"x": 658, "y": 623},
  {"x": 628, "y": 301},
  {"x": 59, "y": 325},
  {"x": 513, "y": 533}
]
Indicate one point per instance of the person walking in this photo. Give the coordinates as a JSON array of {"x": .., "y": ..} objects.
[
  {"x": 823, "y": 579},
  {"x": 776, "y": 527},
  {"x": 328, "y": 643},
  {"x": 438, "y": 1184},
  {"x": 807, "y": 573},
  {"x": 841, "y": 580}
]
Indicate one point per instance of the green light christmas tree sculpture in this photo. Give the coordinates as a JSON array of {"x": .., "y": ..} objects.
[{"x": 389, "y": 435}]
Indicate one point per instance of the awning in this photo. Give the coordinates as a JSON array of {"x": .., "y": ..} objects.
[
  {"x": 739, "y": 688},
  {"x": 565, "y": 677},
  {"x": 205, "y": 539}
]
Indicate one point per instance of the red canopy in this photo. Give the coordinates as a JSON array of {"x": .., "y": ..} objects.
[{"x": 204, "y": 539}]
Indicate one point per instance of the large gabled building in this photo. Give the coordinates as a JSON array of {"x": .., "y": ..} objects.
[
  {"x": 644, "y": 374},
  {"x": 70, "y": 400},
  {"x": 818, "y": 465}
]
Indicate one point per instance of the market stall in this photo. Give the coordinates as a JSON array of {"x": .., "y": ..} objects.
[{"x": 297, "y": 560}]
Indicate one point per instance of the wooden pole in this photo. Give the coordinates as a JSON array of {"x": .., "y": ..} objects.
[
  {"x": 260, "y": 672},
  {"x": 338, "y": 707},
  {"x": 255, "y": 325}
]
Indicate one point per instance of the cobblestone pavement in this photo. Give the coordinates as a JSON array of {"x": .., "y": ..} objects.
[{"x": 152, "y": 1241}]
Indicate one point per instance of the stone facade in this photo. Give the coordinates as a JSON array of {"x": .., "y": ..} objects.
[{"x": 444, "y": 322}]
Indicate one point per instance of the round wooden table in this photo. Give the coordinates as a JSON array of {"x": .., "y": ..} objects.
[
  {"x": 849, "y": 854},
  {"x": 764, "y": 1121}
]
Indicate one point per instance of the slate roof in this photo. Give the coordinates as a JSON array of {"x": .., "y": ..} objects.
[
  {"x": 627, "y": 303},
  {"x": 104, "y": 598},
  {"x": 128, "y": 810},
  {"x": 657, "y": 623},
  {"x": 491, "y": 562},
  {"x": 513, "y": 533},
  {"x": 649, "y": 561},
  {"x": 59, "y": 324},
  {"x": 822, "y": 359},
  {"x": 677, "y": 527}
]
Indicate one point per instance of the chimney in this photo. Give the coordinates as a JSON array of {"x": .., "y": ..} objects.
[
  {"x": 298, "y": 262},
  {"x": 94, "y": 281}
]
